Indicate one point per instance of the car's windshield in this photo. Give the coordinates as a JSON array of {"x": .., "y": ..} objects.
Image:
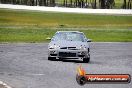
[{"x": 69, "y": 36}]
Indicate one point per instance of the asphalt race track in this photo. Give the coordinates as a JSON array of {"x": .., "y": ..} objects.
[{"x": 25, "y": 65}]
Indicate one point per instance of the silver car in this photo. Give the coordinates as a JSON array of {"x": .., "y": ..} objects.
[{"x": 69, "y": 45}]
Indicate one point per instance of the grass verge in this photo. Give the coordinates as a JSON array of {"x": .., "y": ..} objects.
[
  {"x": 31, "y": 26},
  {"x": 40, "y": 35}
]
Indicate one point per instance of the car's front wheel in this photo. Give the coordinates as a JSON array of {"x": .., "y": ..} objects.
[
  {"x": 51, "y": 58},
  {"x": 86, "y": 60}
]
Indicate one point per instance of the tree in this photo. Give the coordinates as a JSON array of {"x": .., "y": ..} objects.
[
  {"x": 129, "y": 4},
  {"x": 94, "y": 4},
  {"x": 109, "y": 4},
  {"x": 70, "y": 3},
  {"x": 124, "y": 4},
  {"x": 102, "y": 4}
]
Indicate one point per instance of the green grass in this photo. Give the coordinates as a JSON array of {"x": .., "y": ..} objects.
[
  {"x": 40, "y": 35},
  {"x": 48, "y": 19},
  {"x": 31, "y": 26}
]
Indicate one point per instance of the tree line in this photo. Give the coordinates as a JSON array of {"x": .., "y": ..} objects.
[
  {"x": 30, "y": 2},
  {"x": 103, "y": 4}
]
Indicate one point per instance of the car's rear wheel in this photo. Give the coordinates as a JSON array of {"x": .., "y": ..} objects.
[
  {"x": 86, "y": 60},
  {"x": 51, "y": 58}
]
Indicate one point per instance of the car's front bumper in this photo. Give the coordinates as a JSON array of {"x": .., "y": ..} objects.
[{"x": 68, "y": 53}]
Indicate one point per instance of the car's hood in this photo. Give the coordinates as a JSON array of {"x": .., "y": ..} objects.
[{"x": 69, "y": 43}]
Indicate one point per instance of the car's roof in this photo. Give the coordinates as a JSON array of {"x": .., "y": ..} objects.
[{"x": 69, "y": 31}]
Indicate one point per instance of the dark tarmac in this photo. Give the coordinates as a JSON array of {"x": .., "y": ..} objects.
[{"x": 25, "y": 65}]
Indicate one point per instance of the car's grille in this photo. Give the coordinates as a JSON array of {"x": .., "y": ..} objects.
[
  {"x": 63, "y": 48},
  {"x": 69, "y": 48},
  {"x": 66, "y": 54},
  {"x": 72, "y": 48}
]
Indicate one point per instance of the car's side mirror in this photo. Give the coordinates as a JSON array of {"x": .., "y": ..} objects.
[
  {"x": 89, "y": 40},
  {"x": 48, "y": 38}
]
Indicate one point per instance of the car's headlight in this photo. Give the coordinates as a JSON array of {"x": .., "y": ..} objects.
[
  {"x": 83, "y": 48},
  {"x": 53, "y": 47}
]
